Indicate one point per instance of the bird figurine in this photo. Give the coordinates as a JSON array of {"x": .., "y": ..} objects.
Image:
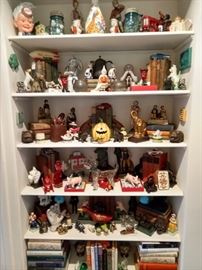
[{"x": 96, "y": 217}]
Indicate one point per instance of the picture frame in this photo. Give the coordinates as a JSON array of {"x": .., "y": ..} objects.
[
  {"x": 163, "y": 180},
  {"x": 185, "y": 59}
]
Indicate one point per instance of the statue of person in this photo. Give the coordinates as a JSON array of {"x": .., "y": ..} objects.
[
  {"x": 76, "y": 26},
  {"x": 23, "y": 18},
  {"x": 76, "y": 14},
  {"x": 116, "y": 13}
]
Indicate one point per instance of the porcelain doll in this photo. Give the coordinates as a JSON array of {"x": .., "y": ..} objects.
[
  {"x": 95, "y": 22},
  {"x": 23, "y": 18}
]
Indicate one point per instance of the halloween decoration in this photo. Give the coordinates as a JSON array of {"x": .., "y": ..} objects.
[{"x": 101, "y": 132}]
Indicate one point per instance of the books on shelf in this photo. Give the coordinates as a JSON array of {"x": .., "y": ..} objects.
[
  {"x": 38, "y": 244},
  {"x": 157, "y": 255},
  {"x": 50, "y": 254},
  {"x": 102, "y": 255},
  {"x": 157, "y": 266}
]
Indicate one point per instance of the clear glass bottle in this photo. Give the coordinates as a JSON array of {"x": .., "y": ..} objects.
[{"x": 56, "y": 23}]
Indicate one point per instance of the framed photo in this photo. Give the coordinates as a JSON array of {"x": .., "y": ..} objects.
[{"x": 163, "y": 180}]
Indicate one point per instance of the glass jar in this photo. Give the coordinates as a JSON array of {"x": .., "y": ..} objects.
[
  {"x": 132, "y": 20},
  {"x": 56, "y": 23}
]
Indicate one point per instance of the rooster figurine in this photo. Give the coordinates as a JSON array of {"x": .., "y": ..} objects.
[{"x": 96, "y": 217}]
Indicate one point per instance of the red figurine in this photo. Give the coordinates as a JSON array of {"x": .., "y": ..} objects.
[
  {"x": 57, "y": 179},
  {"x": 96, "y": 217},
  {"x": 47, "y": 184}
]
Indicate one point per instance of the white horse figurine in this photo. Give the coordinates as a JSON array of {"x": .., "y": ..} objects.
[
  {"x": 28, "y": 79},
  {"x": 174, "y": 76}
]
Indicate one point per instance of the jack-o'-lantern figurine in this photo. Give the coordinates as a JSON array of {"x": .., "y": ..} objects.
[{"x": 101, "y": 132}]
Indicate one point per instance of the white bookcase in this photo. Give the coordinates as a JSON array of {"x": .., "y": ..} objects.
[{"x": 135, "y": 48}]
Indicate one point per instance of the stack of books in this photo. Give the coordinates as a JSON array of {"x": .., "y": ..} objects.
[
  {"x": 158, "y": 256},
  {"x": 47, "y": 254},
  {"x": 91, "y": 83},
  {"x": 102, "y": 255}
]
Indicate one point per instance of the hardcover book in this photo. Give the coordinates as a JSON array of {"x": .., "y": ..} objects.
[{"x": 157, "y": 266}]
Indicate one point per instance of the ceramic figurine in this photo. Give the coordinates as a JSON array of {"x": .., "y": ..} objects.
[
  {"x": 115, "y": 17},
  {"x": 96, "y": 217},
  {"x": 156, "y": 137},
  {"x": 40, "y": 29},
  {"x": 112, "y": 74},
  {"x": 33, "y": 224},
  {"x": 139, "y": 128},
  {"x": 134, "y": 181},
  {"x": 129, "y": 76},
  {"x": 101, "y": 132},
  {"x": 57, "y": 178},
  {"x": 23, "y": 18},
  {"x": 180, "y": 24},
  {"x": 55, "y": 216},
  {"x": 174, "y": 76},
  {"x": 89, "y": 71},
  {"x": 76, "y": 27},
  {"x": 34, "y": 177},
  {"x": 103, "y": 81},
  {"x": 143, "y": 81},
  {"x": 172, "y": 225},
  {"x": 47, "y": 184},
  {"x": 95, "y": 22},
  {"x": 164, "y": 21},
  {"x": 71, "y": 118},
  {"x": 79, "y": 226},
  {"x": 74, "y": 181},
  {"x": 114, "y": 28}
]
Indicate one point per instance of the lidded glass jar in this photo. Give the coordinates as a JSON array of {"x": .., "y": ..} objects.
[
  {"x": 132, "y": 20},
  {"x": 56, "y": 23}
]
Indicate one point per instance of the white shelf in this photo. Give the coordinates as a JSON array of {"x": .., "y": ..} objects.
[
  {"x": 104, "y": 94},
  {"x": 77, "y": 144},
  {"x": 30, "y": 191},
  {"x": 104, "y": 42},
  {"x": 74, "y": 234}
]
